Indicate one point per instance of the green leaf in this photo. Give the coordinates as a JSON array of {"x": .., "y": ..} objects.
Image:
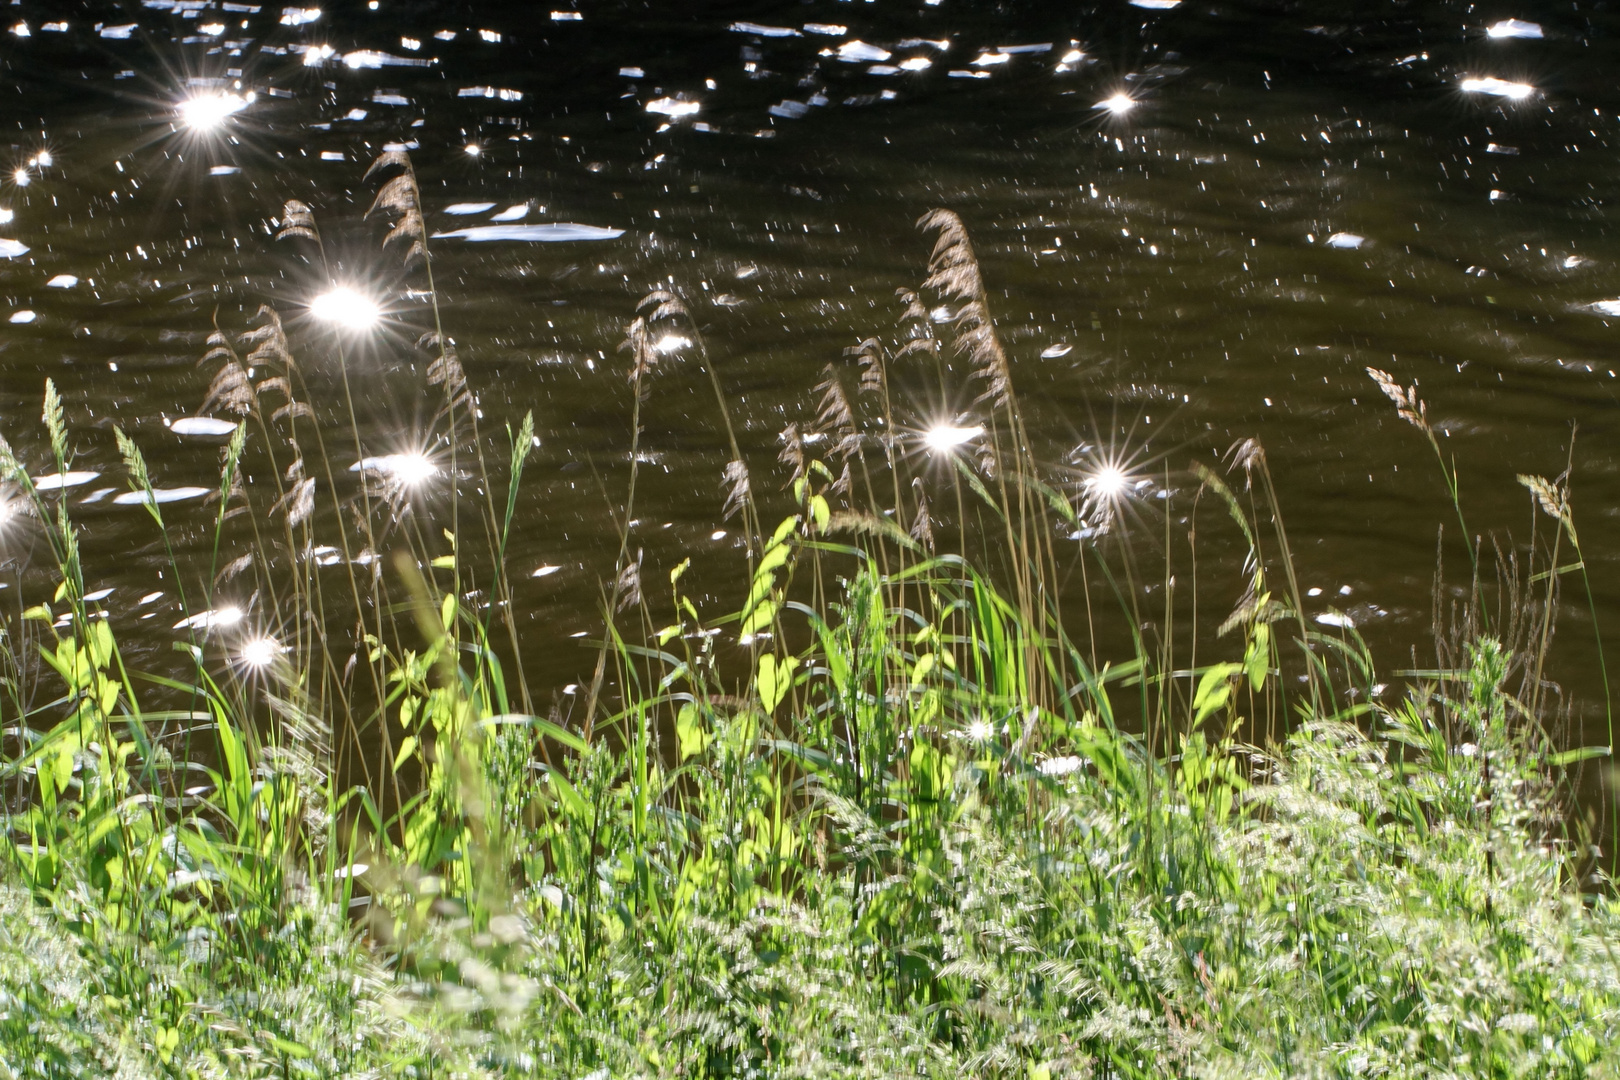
[
  {"x": 774, "y": 680},
  {"x": 1214, "y": 691},
  {"x": 405, "y": 749},
  {"x": 1584, "y": 753},
  {"x": 690, "y": 731},
  {"x": 1257, "y": 661},
  {"x": 759, "y": 618},
  {"x": 544, "y": 727}
]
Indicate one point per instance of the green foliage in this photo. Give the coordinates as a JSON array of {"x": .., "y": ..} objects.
[{"x": 889, "y": 817}]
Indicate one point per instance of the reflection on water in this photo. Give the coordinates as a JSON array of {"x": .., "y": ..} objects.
[{"x": 1199, "y": 222}]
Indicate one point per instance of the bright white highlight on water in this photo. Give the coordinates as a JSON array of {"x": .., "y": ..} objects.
[
  {"x": 20, "y": 176},
  {"x": 409, "y": 469},
  {"x": 1610, "y": 308},
  {"x": 472, "y": 149},
  {"x": 1347, "y": 240},
  {"x": 1109, "y": 482},
  {"x": 62, "y": 281},
  {"x": 947, "y": 437},
  {"x": 1073, "y": 56},
  {"x": 299, "y": 16},
  {"x": 347, "y": 308},
  {"x": 1156, "y": 5},
  {"x": 229, "y": 615},
  {"x": 545, "y": 571},
  {"x": 1119, "y": 104},
  {"x": 57, "y": 481},
  {"x": 469, "y": 207},
  {"x": 1497, "y": 88},
  {"x": 202, "y": 425},
  {"x": 6, "y": 215},
  {"x": 24, "y": 316},
  {"x": 668, "y": 106},
  {"x": 916, "y": 63},
  {"x": 259, "y": 652},
  {"x": 1513, "y": 28},
  {"x": 205, "y": 112},
  {"x": 859, "y": 52},
  {"x": 671, "y": 343},
  {"x": 43, "y": 159},
  {"x": 988, "y": 59},
  {"x": 512, "y": 213},
  {"x": 553, "y": 232},
  {"x": 160, "y": 495}
]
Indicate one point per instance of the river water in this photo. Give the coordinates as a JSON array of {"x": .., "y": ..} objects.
[{"x": 1280, "y": 195}]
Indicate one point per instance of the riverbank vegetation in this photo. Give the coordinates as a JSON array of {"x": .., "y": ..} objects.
[{"x": 913, "y": 803}]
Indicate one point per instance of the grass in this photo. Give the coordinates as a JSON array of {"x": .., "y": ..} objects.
[{"x": 897, "y": 813}]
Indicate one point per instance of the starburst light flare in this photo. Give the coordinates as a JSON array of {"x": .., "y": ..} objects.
[
  {"x": 206, "y": 112},
  {"x": 347, "y": 308},
  {"x": 947, "y": 437}
]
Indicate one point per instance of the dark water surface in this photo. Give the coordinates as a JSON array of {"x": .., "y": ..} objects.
[{"x": 1301, "y": 190}]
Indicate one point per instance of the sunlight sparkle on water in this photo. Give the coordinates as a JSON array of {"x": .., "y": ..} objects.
[
  {"x": 1513, "y": 28},
  {"x": 949, "y": 436},
  {"x": 409, "y": 469},
  {"x": 674, "y": 107},
  {"x": 472, "y": 149},
  {"x": 205, "y": 112},
  {"x": 1108, "y": 483},
  {"x": 1497, "y": 88},
  {"x": 260, "y": 651},
  {"x": 1119, "y": 104},
  {"x": 347, "y": 308},
  {"x": 20, "y": 177}
]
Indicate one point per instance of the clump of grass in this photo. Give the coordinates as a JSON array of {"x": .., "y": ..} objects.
[{"x": 893, "y": 814}]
